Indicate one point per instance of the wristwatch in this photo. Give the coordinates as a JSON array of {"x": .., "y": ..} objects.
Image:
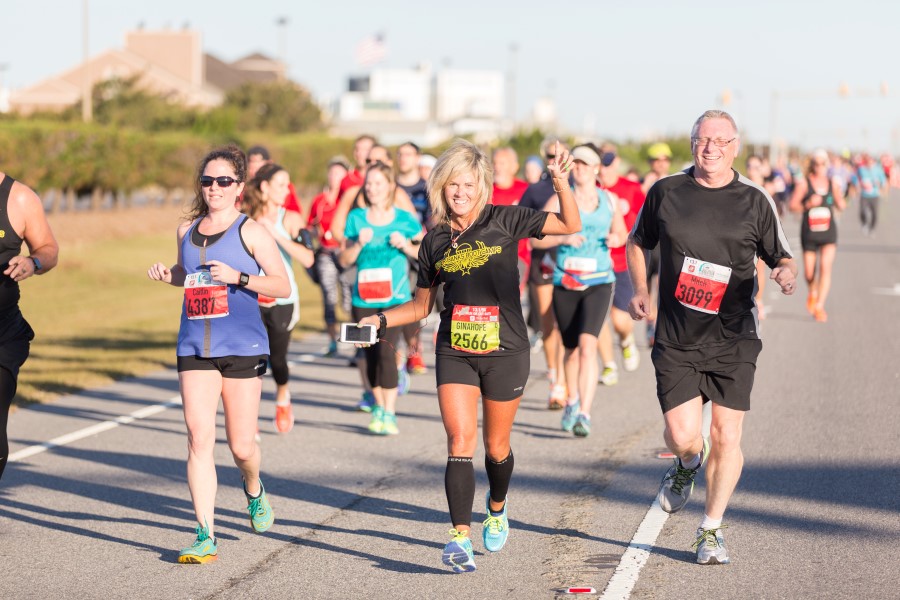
[
  {"x": 243, "y": 280},
  {"x": 37, "y": 263}
]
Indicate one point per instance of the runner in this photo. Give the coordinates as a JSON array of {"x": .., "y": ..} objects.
[
  {"x": 710, "y": 223},
  {"x": 483, "y": 348},
  {"x": 872, "y": 185},
  {"x": 507, "y": 191},
  {"x": 818, "y": 196},
  {"x": 264, "y": 199},
  {"x": 257, "y": 156},
  {"x": 630, "y": 199},
  {"x": 760, "y": 174},
  {"x": 540, "y": 286},
  {"x": 583, "y": 282},
  {"x": 378, "y": 240},
  {"x": 534, "y": 168},
  {"x": 22, "y": 219},
  {"x": 222, "y": 346},
  {"x": 327, "y": 270}
]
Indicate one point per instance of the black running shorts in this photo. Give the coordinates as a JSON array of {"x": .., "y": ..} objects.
[
  {"x": 498, "y": 377},
  {"x": 231, "y": 367},
  {"x": 723, "y": 374}
]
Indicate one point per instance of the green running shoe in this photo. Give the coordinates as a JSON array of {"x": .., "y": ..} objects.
[
  {"x": 496, "y": 528},
  {"x": 202, "y": 551},
  {"x": 389, "y": 424},
  {"x": 261, "y": 514},
  {"x": 570, "y": 415},
  {"x": 376, "y": 425},
  {"x": 458, "y": 553}
]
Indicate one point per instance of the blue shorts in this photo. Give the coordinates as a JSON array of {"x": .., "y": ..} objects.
[{"x": 624, "y": 291}]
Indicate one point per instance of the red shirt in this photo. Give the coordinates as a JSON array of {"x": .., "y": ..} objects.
[
  {"x": 292, "y": 201},
  {"x": 631, "y": 199},
  {"x": 352, "y": 179},
  {"x": 510, "y": 197},
  {"x": 321, "y": 213}
]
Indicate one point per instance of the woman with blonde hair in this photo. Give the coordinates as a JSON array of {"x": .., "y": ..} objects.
[{"x": 482, "y": 342}]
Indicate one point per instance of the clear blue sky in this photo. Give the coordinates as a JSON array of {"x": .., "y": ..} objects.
[{"x": 635, "y": 69}]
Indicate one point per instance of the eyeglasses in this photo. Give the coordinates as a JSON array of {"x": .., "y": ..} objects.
[
  {"x": 550, "y": 156},
  {"x": 820, "y": 163},
  {"x": 704, "y": 141},
  {"x": 224, "y": 181}
]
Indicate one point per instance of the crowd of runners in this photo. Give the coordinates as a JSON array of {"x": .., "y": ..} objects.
[{"x": 587, "y": 245}]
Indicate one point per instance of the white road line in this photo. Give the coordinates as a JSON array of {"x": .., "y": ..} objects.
[
  {"x": 894, "y": 291},
  {"x": 636, "y": 555},
  {"x": 94, "y": 430}
]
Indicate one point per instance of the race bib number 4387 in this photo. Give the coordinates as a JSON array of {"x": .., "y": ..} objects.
[
  {"x": 702, "y": 285},
  {"x": 205, "y": 298}
]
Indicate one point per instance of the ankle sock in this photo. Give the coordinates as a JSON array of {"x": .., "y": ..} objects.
[
  {"x": 692, "y": 463},
  {"x": 710, "y": 523}
]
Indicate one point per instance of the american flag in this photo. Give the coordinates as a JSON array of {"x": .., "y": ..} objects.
[{"x": 371, "y": 50}]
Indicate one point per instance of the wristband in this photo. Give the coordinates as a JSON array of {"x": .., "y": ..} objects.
[
  {"x": 560, "y": 188},
  {"x": 382, "y": 327},
  {"x": 37, "y": 263}
]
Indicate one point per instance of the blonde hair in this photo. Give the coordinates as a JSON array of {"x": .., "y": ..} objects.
[{"x": 461, "y": 157}]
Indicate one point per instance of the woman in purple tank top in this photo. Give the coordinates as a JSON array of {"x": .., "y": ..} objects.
[{"x": 222, "y": 344}]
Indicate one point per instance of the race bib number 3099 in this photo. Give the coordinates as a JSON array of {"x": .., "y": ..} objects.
[{"x": 701, "y": 285}]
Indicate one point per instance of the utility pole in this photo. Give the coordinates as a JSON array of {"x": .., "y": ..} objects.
[
  {"x": 86, "y": 96},
  {"x": 511, "y": 85},
  {"x": 282, "y": 45}
]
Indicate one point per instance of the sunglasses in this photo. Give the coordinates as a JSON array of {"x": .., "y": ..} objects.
[{"x": 224, "y": 181}]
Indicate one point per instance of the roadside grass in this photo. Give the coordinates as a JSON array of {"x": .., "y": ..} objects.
[{"x": 98, "y": 318}]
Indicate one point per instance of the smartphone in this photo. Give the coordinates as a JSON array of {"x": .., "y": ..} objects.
[{"x": 351, "y": 334}]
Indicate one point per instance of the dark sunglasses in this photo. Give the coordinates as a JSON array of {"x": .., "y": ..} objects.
[{"x": 224, "y": 181}]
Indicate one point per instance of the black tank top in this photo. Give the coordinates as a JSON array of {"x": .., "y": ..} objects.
[{"x": 10, "y": 246}]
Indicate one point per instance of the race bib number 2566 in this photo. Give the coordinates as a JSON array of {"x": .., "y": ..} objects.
[{"x": 701, "y": 285}]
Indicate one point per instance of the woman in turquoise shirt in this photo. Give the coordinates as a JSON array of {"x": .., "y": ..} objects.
[{"x": 379, "y": 239}]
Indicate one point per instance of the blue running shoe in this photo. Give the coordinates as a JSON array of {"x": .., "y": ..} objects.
[
  {"x": 261, "y": 514},
  {"x": 458, "y": 553},
  {"x": 366, "y": 402},
  {"x": 496, "y": 527},
  {"x": 202, "y": 551},
  {"x": 402, "y": 381},
  {"x": 376, "y": 425},
  {"x": 389, "y": 424},
  {"x": 570, "y": 415},
  {"x": 582, "y": 427}
]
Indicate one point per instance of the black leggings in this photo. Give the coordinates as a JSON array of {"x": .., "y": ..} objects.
[
  {"x": 7, "y": 392},
  {"x": 276, "y": 319},
  {"x": 381, "y": 363}
]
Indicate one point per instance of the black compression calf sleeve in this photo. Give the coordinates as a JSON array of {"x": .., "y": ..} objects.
[
  {"x": 459, "y": 483},
  {"x": 499, "y": 474}
]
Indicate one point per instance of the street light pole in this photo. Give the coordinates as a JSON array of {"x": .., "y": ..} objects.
[{"x": 282, "y": 44}]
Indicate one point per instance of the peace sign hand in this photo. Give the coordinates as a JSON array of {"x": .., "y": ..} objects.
[{"x": 560, "y": 165}]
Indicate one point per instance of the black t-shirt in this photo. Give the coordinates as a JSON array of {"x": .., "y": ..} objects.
[
  {"x": 702, "y": 232},
  {"x": 536, "y": 196},
  {"x": 481, "y": 271},
  {"x": 418, "y": 194}
]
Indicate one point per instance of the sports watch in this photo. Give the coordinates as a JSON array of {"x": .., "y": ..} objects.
[
  {"x": 243, "y": 280},
  {"x": 37, "y": 263}
]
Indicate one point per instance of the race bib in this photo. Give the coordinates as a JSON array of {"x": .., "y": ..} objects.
[
  {"x": 205, "y": 298},
  {"x": 576, "y": 270},
  {"x": 702, "y": 285},
  {"x": 819, "y": 218},
  {"x": 375, "y": 285},
  {"x": 475, "y": 329},
  {"x": 266, "y": 301}
]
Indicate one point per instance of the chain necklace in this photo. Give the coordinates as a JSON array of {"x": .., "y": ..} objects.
[{"x": 454, "y": 240}]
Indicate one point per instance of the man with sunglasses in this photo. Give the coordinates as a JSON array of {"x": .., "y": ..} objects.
[{"x": 710, "y": 223}]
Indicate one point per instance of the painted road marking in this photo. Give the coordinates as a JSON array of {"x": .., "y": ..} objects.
[
  {"x": 94, "y": 430},
  {"x": 894, "y": 291},
  {"x": 624, "y": 579}
]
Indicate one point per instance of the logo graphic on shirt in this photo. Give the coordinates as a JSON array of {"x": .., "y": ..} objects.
[
  {"x": 466, "y": 258},
  {"x": 2, "y": 233}
]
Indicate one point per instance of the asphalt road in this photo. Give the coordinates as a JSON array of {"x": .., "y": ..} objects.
[{"x": 102, "y": 514}]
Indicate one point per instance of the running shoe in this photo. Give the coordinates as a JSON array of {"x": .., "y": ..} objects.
[
  {"x": 710, "y": 546},
  {"x": 261, "y": 514},
  {"x": 558, "y": 395},
  {"x": 376, "y": 425},
  {"x": 820, "y": 315},
  {"x": 458, "y": 552},
  {"x": 284, "y": 418},
  {"x": 496, "y": 527},
  {"x": 570, "y": 415},
  {"x": 366, "y": 402},
  {"x": 332, "y": 349},
  {"x": 389, "y": 424},
  {"x": 678, "y": 483},
  {"x": 631, "y": 358},
  {"x": 610, "y": 375},
  {"x": 415, "y": 364},
  {"x": 582, "y": 427},
  {"x": 402, "y": 381},
  {"x": 203, "y": 550},
  {"x": 536, "y": 341}
]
